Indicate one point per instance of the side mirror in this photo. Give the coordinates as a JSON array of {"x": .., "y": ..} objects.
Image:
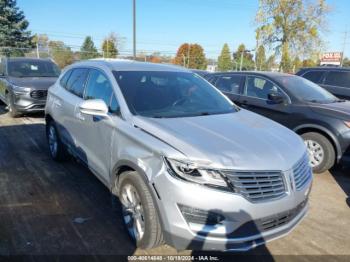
[
  {"x": 94, "y": 107},
  {"x": 275, "y": 98}
]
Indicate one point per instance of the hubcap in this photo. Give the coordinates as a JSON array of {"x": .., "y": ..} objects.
[
  {"x": 316, "y": 153},
  {"x": 53, "y": 141},
  {"x": 133, "y": 213}
]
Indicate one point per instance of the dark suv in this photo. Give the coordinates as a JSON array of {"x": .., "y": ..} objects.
[
  {"x": 24, "y": 83},
  {"x": 322, "y": 119},
  {"x": 335, "y": 79}
]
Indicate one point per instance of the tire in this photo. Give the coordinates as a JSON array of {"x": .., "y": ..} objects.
[
  {"x": 153, "y": 235},
  {"x": 11, "y": 107},
  {"x": 57, "y": 149},
  {"x": 316, "y": 142}
]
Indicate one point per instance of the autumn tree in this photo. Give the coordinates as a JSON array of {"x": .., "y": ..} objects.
[
  {"x": 110, "y": 46},
  {"x": 14, "y": 36},
  {"x": 260, "y": 58},
  {"x": 191, "y": 56},
  {"x": 270, "y": 63},
  {"x": 247, "y": 61},
  {"x": 61, "y": 53},
  {"x": 88, "y": 49},
  {"x": 291, "y": 26},
  {"x": 225, "y": 59},
  {"x": 297, "y": 64}
]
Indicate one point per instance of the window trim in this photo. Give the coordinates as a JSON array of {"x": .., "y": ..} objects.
[{"x": 268, "y": 79}]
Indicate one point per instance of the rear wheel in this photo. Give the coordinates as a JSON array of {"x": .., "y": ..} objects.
[
  {"x": 139, "y": 212},
  {"x": 56, "y": 147},
  {"x": 321, "y": 151}
]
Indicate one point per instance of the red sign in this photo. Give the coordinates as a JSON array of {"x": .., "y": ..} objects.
[{"x": 332, "y": 57}]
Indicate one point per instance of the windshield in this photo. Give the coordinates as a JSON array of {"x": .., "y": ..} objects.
[
  {"x": 170, "y": 94},
  {"x": 306, "y": 90},
  {"x": 32, "y": 68}
]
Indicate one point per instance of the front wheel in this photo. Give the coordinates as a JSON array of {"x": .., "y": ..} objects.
[
  {"x": 139, "y": 212},
  {"x": 11, "y": 107},
  {"x": 56, "y": 147},
  {"x": 321, "y": 151}
]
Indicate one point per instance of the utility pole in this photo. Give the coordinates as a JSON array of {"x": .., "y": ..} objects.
[
  {"x": 134, "y": 29},
  {"x": 188, "y": 55},
  {"x": 240, "y": 67},
  {"x": 107, "y": 43},
  {"x": 344, "y": 44},
  {"x": 37, "y": 47}
]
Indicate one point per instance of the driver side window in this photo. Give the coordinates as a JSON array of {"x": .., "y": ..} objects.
[{"x": 260, "y": 87}]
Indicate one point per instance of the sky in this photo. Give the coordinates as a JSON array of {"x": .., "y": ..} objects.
[{"x": 163, "y": 25}]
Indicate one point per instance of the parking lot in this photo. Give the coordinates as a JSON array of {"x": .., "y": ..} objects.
[{"x": 48, "y": 208}]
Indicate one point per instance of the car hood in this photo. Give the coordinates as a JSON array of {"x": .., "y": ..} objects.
[
  {"x": 241, "y": 140},
  {"x": 33, "y": 82},
  {"x": 337, "y": 110}
]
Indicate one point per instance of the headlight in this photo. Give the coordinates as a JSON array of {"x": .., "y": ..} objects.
[
  {"x": 190, "y": 172},
  {"x": 18, "y": 90},
  {"x": 347, "y": 123}
]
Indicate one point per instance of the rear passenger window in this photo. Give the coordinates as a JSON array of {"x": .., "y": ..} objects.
[
  {"x": 64, "y": 79},
  {"x": 76, "y": 82},
  {"x": 314, "y": 76},
  {"x": 229, "y": 84},
  {"x": 338, "y": 78},
  {"x": 99, "y": 87}
]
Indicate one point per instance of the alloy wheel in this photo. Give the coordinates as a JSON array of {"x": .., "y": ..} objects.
[
  {"x": 133, "y": 212},
  {"x": 316, "y": 152}
]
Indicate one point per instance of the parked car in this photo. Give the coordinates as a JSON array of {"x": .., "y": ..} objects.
[
  {"x": 335, "y": 79},
  {"x": 190, "y": 167},
  {"x": 322, "y": 120},
  {"x": 201, "y": 73},
  {"x": 24, "y": 83}
]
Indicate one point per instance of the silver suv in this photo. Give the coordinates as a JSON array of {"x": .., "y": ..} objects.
[{"x": 190, "y": 168}]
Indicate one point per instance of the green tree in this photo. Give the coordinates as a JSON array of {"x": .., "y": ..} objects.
[
  {"x": 289, "y": 26},
  {"x": 346, "y": 62},
  {"x": 297, "y": 64},
  {"x": 109, "y": 46},
  {"x": 191, "y": 56},
  {"x": 271, "y": 63},
  {"x": 247, "y": 61},
  {"x": 62, "y": 54},
  {"x": 88, "y": 49},
  {"x": 260, "y": 58},
  {"x": 14, "y": 37},
  {"x": 225, "y": 60}
]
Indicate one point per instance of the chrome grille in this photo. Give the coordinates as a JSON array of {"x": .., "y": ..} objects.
[
  {"x": 38, "y": 94},
  {"x": 302, "y": 172},
  {"x": 258, "y": 186}
]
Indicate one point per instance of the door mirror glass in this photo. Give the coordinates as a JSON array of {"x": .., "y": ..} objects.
[
  {"x": 94, "y": 107},
  {"x": 275, "y": 98}
]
